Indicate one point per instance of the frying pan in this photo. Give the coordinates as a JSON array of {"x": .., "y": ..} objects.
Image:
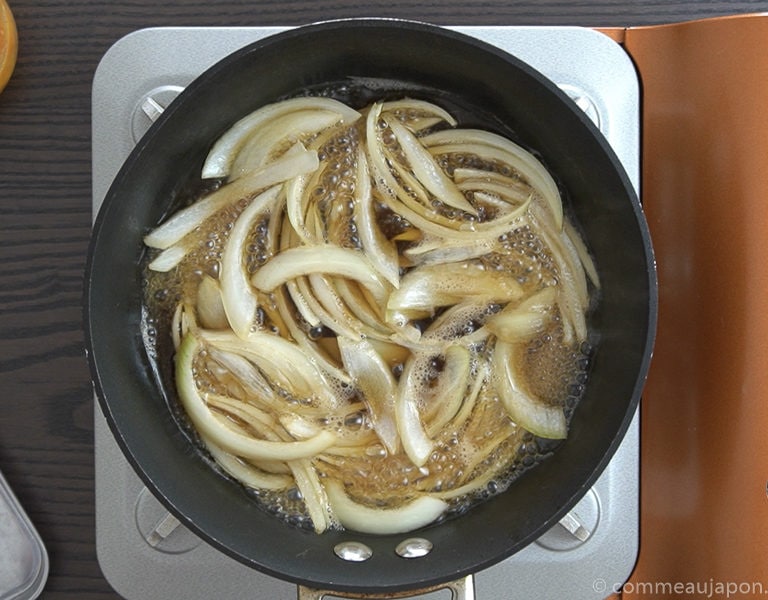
[{"x": 356, "y": 61}]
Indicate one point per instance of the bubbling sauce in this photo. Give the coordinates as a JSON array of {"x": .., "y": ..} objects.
[{"x": 470, "y": 438}]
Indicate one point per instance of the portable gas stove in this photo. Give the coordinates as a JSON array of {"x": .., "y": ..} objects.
[{"x": 143, "y": 551}]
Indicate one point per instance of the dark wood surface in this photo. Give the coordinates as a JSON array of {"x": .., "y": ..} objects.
[{"x": 46, "y": 422}]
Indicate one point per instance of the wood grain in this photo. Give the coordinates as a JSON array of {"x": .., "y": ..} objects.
[{"x": 46, "y": 424}]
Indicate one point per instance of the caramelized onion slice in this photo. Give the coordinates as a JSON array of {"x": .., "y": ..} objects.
[
  {"x": 518, "y": 322},
  {"x": 427, "y": 171},
  {"x": 366, "y": 519},
  {"x": 385, "y": 169},
  {"x": 169, "y": 258},
  {"x": 210, "y": 307},
  {"x": 433, "y": 250},
  {"x": 416, "y": 442},
  {"x": 246, "y": 473},
  {"x": 187, "y": 219},
  {"x": 416, "y": 394},
  {"x": 493, "y": 147},
  {"x": 231, "y": 441},
  {"x": 381, "y": 251},
  {"x": 246, "y": 373},
  {"x": 583, "y": 253},
  {"x": 451, "y": 388},
  {"x": 238, "y": 297},
  {"x": 531, "y": 413},
  {"x": 283, "y": 363},
  {"x": 312, "y": 492},
  {"x": 276, "y": 134},
  {"x": 427, "y": 287},
  {"x": 226, "y": 148},
  {"x": 375, "y": 380},
  {"x": 326, "y": 258},
  {"x": 417, "y": 112}
]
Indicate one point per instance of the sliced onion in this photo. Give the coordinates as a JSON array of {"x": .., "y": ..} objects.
[
  {"x": 315, "y": 351},
  {"x": 252, "y": 416},
  {"x": 246, "y": 373},
  {"x": 340, "y": 327},
  {"x": 384, "y": 167},
  {"x": 413, "y": 396},
  {"x": 210, "y": 307},
  {"x": 296, "y": 190},
  {"x": 366, "y": 519},
  {"x": 468, "y": 405},
  {"x": 519, "y": 322},
  {"x": 380, "y": 170},
  {"x": 276, "y": 134},
  {"x": 459, "y": 324},
  {"x": 528, "y": 412},
  {"x": 296, "y": 262},
  {"x": 425, "y": 288},
  {"x": 433, "y": 251},
  {"x": 581, "y": 250},
  {"x": 283, "y": 363},
  {"x": 375, "y": 380},
  {"x": 359, "y": 305},
  {"x": 238, "y": 297},
  {"x": 468, "y": 176},
  {"x": 489, "y": 190},
  {"x": 381, "y": 252},
  {"x": 224, "y": 151},
  {"x": 313, "y": 493},
  {"x": 187, "y": 219},
  {"x": 246, "y": 473},
  {"x": 181, "y": 323},
  {"x": 491, "y": 146},
  {"x": 427, "y": 171},
  {"x": 231, "y": 441},
  {"x": 299, "y": 427},
  {"x": 573, "y": 295},
  {"x": 450, "y": 390},
  {"x": 420, "y": 108},
  {"x": 169, "y": 258},
  {"x": 338, "y": 309}
]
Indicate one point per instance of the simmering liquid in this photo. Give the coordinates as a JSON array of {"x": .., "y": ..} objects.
[{"x": 476, "y": 453}]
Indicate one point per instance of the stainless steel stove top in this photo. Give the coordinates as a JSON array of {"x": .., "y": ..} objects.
[{"x": 142, "y": 550}]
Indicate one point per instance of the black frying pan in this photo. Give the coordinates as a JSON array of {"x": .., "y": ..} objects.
[{"x": 344, "y": 58}]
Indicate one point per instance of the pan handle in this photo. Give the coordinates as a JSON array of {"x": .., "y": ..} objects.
[{"x": 461, "y": 589}]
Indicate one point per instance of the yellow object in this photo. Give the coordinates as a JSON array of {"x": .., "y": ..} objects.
[{"x": 9, "y": 43}]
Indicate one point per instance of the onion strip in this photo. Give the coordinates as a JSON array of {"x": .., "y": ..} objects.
[
  {"x": 313, "y": 493},
  {"x": 277, "y": 133},
  {"x": 495, "y": 147},
  {"x": 365, "y": 519},
  {"x": 246, "y": 473},
  {"x": 282, "y": 361},
  {"x": 239, "y": 299},
  {"x": 427, "y": 171},
  {"x": 413, "y": 112},
  {"x": 299, "y": 261},
  {"x": 233, "y": 442},
  {"x": 374, "y": 379},
  {"x": 187, "y": 219},
  {"x": 425, "y": 288},
  {"x": 533, "y": 414},
  {"x": 224, "y": 151},
  {"x": 382, "y": 252}
]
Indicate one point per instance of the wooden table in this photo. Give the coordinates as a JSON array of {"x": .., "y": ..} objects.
[{"x": 46, "y": 420}]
